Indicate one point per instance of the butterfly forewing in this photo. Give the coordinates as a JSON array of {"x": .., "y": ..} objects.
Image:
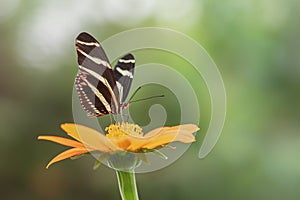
[
  {"x": 123, "y": 73},
  {"x": 95, "y": 81}
]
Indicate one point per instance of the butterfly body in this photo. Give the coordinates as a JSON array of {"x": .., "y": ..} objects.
[{"x": 101, "y": 89}]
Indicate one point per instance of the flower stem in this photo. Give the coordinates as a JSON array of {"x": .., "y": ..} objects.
[{"x": 127, "y": 185}]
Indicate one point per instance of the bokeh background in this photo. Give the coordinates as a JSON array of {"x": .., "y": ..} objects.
[{"x": 255, "y": 44}]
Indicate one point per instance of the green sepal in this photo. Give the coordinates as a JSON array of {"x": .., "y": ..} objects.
[
  {"x": 143, "y": 157},
  {"x": 76, "y": 157},
  {"x": 98, "y": 162},
  {"x": 160, "y": 154}
]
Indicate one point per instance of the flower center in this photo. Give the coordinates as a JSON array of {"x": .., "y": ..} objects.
[{"x": 123, "y": 129}]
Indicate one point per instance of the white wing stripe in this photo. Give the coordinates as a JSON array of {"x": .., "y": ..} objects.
[
  {"x": 95, "y": 60},
  {"x": 88, "y": 43},
  {"x": 104, "y": 81},
  {"x": 99, "y": 95},
  {"x": 126, "y": 61},
  {"x": 124, "y": 72},
  {"x": 120, "y": 88}
]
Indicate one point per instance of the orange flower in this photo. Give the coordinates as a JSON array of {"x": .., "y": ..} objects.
[{"x": 119, "y": 137}]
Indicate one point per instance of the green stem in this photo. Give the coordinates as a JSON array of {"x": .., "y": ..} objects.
[{"x": 127, "y": 185}]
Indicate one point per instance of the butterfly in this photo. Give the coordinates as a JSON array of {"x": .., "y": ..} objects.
[{"x": 101, "y": 89}]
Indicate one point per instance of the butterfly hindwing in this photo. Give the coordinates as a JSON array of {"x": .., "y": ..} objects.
[
  {"x": 95, "y": 82},
  {"x": 88, "y": 100},
  {"x": 123, "y": 72}
]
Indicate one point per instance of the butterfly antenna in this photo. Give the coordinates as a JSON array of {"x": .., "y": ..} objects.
[
  {"x": 157, "y": 96},
  {"x": 134, "y": 93}
]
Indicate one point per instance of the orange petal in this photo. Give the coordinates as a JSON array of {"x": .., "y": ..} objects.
[
  {"x": 67, "y": 154},
  {"x": 61, "y": 140},
  {"x": 122, "y": 142},
  {"x": 90, "y": 137},
  {"x": 165, "y": 135},
  {"x": 184, "y": 127}
]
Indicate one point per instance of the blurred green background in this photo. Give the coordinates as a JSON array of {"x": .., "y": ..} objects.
[{"x": 255, "y": 44}]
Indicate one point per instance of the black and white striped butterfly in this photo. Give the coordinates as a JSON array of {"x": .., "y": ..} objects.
[{"x": 101, "y": 89}]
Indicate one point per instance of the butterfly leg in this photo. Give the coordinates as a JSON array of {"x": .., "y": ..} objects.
[
  {"x": 126, "y": 116},
  {"x": 118, "y": 118},
  {"x": 110, "y": 119},
  {"x": 121, "y": 114},
  {"x": 115, "y": 118}
]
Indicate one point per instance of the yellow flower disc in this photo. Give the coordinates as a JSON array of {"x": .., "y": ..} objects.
[{"x": 123, "y": 129}]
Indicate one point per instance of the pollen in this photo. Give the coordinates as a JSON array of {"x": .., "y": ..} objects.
[{"x": 123, "y": 129}]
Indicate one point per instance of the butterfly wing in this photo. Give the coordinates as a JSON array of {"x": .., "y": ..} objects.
[
  {"x": 95, "y": 82},
  {"x": 123, "y": 73}
]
